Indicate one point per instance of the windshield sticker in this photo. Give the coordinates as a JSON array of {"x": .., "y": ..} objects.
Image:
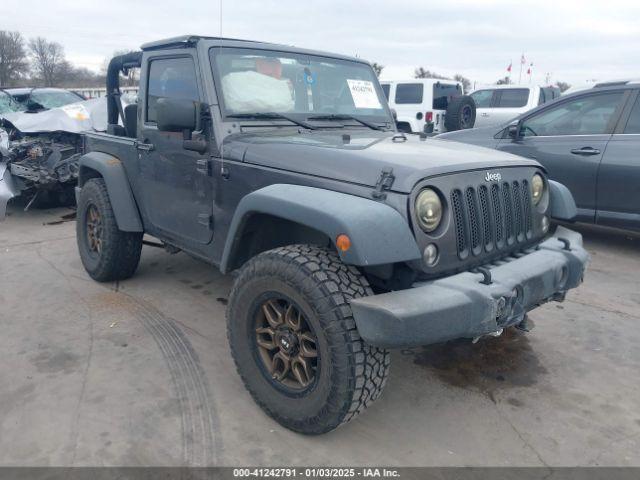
[
  {"x": 364, "y": 94},
  {"x": 309, "y": 77},
  {"x": 77, "y": 112}
]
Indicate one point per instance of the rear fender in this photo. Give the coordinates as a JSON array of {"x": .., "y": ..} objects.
[{"x": 112, "y": 171}]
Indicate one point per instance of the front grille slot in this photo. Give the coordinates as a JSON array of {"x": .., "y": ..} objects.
[
  {"x": 526, "y": 201},
  {"x": 498, "y": 219},
  {"x": 483, "y": 195},
  {"x": 517, "y": 208},
  {"x": 461, "y": 231},
  {"x": 508, "y": 213},
  {"x": 491, "y": 218},
  {"x": 474, "y": 220}
]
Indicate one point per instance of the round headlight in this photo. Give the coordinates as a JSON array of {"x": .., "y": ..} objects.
[
  {"x": 537, "y": 188},
  {"x": 428, "y": 210}
]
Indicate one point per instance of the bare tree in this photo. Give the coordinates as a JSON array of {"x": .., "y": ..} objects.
[
  {"x": 13, "y": 61},
  {"x": 466, "y": 83},
  {"x": 563, "y": 86},
  {"x": 422, "y": 73},
  {"x": 377, "y": 68},
  {"x": 48, "y": 61},
  {"x": 504, "y": 81}
]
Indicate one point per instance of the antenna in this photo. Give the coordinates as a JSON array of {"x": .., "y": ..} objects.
[{"x": 222, "y": 167}]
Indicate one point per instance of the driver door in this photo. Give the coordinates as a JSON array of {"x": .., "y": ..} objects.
[
  {"x": 569, "y": 139},
  {"x": 178, "y": 197}
]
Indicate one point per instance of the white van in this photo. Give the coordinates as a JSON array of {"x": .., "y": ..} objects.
[
  {"x": 498, "y": 104},
  {"x": 422, "y": 105}
]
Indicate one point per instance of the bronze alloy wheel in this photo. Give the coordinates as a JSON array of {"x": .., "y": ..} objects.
[
  {"x": 94, "y": 229},
  {"x": 286, "y": 344}
]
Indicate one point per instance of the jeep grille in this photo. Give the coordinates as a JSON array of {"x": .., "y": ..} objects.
[{"x": 491, "y": 217}]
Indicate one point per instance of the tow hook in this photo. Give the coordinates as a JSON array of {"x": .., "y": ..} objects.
[{"x": 497, "y": 333}]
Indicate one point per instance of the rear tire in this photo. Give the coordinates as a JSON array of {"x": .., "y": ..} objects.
[
  {"x": 461, "y": 113},
  {"x": 346, "y": 375},
  {"x": 107, "y": 253}
]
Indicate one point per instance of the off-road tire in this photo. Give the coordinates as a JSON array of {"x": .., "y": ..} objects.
[
  {"x": 120, "y": 252},
  {"x": 351, "y": 375},
  {"x": 461, "y": 113}
]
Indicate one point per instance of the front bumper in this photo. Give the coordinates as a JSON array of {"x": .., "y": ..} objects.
[
  {"x": 462, "y": 306},
  {"x": 8, "y": 190}
]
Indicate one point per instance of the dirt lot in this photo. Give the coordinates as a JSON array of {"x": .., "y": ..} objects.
[{"x": 139, "y": 372}]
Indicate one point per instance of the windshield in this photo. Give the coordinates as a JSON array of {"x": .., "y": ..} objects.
[
  {"x": 8, "y": 104},
  {"x": 47, "y": 98},
  {"x": 54, "y": 99},
  {"x": 303, "y": 86}
]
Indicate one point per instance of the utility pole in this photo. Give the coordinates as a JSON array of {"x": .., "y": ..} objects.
[{"x": 521, "y": 65}]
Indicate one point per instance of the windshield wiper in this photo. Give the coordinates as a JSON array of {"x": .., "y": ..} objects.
[
  {"x": 271, "y": 115},
  {"x": 343, "y": 116}
]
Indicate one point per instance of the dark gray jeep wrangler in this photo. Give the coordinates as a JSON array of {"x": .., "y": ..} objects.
[{"x": 348, "y": 238}]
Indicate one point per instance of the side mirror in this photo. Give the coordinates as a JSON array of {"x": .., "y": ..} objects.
[
  {"x": 515, "y": 131},
  {"x": 177, "y": 115}
]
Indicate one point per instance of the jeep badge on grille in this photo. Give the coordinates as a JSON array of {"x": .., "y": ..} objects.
[{"x": 493, "y": 177}]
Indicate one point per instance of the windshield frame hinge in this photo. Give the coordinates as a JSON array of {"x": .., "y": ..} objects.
[{"x": 384, "y": 183}]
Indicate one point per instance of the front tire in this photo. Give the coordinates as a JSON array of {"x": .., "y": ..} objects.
[
  {"x": 107, "y": 253},
  {"x": 294, "y": 340}
]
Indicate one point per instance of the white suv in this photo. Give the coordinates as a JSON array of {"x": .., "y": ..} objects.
[
  {"x": 498, "y": 104},
  {"x": 422, "y": 105}
]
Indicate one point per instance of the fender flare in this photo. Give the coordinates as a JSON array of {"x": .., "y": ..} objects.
[
  {"x": 562, "y": 205},
  {"x": 379, "y": 234},
  {"x": 122, "y": 201}
]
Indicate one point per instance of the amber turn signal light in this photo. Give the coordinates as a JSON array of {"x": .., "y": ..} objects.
[{"x": 343, "y": 242}]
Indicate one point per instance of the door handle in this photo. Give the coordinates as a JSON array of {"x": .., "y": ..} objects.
[
  {"x": 147, "y": 147},
  {"x": 585, "y": 151}
]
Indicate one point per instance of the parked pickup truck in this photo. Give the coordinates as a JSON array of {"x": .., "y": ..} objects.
[{"x": 347, "y": 238}]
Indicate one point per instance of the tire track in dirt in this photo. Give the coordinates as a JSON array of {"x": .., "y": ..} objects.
[{"x": 198, "y": 418}]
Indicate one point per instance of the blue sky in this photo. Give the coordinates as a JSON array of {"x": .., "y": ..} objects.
[{"x": 574, "y": 41}]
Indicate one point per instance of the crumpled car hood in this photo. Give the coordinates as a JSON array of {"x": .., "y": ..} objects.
[{"x": 72, "y": 118}]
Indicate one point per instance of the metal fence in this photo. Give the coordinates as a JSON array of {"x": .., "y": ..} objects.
[{"x": 101, "y": 92}]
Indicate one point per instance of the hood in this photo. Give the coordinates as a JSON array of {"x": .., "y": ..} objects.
[
  {"x": 482, "y": 136},
  {"x": 360, "y": 156}
]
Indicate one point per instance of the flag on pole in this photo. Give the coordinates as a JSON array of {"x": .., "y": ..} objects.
[
  {"x": 509, "y": 67},
  {"x": 529, "y": 70},
  {"x": 522, "y": 60}
]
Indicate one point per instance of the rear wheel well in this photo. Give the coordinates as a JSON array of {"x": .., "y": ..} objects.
[{"x": 262, "y": 232}]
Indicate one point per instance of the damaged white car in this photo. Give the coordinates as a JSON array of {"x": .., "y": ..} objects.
[{"x": 39, "y": 151}]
